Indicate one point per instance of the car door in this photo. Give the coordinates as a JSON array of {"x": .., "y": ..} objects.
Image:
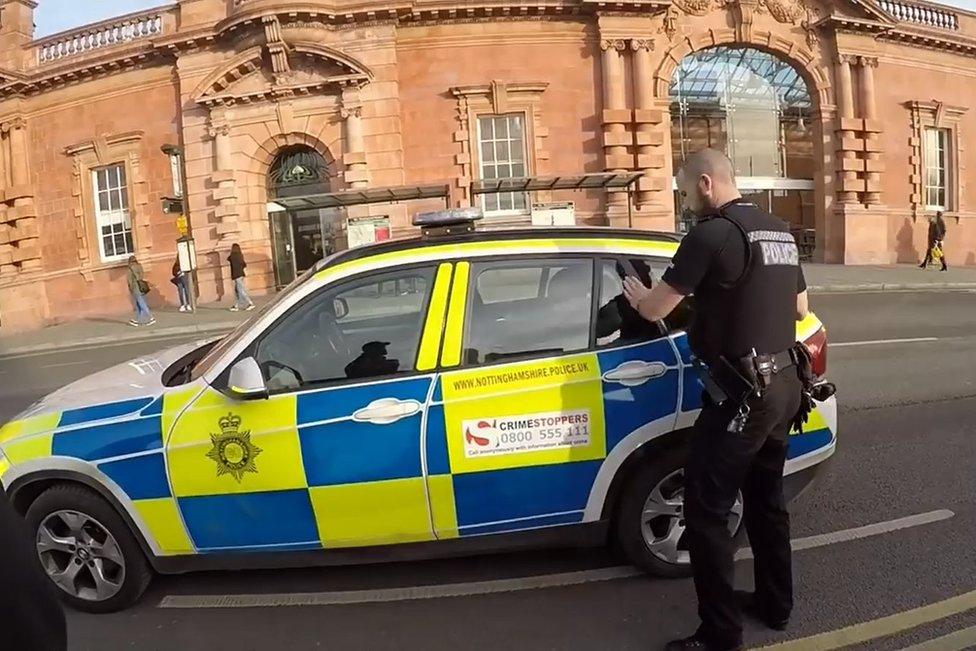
[
  {"x": 332, "y": 457},
  {"x": 639, "y": 364},
  {"x": 518, "y": 426}
]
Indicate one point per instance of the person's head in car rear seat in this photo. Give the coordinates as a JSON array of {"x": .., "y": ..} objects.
[{"x": 568, "y": 282}]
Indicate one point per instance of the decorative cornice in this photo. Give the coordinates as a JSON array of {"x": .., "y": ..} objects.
[{"x": 92, "y": 145}]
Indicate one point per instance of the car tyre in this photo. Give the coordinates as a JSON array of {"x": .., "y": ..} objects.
[
  {"x": 72, "y": 524},
  {"x": 649, "y": 523}
]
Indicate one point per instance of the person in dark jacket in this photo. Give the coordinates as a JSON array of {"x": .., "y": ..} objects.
[
  {"x": 31, "y": 616},
  {"x": 182, "y": 283},
  {"x": 937, "y": 233},
  {"x": 237, "y": 265}
]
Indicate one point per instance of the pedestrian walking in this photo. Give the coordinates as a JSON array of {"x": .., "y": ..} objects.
[
  {"x": 742, "y": 264},
  {"x": 937, "y": 233},
  {"x": 138, "y": 288},
  {"x": 181, "y": 281},
  {"x": 31, "y": 615},
  {"x": 242, "y": 301}
]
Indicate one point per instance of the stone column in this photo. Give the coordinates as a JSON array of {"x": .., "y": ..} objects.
[
  {"x": 872, "y": 162},
  {"x": 847, "y": 184},
  {"x": 354, "y": 156},
  {"x": 22, "y": 230},
  {"x": 225, "y": 194},
  {"x": 644, "y": 116},
  {"x": 615, "y": 119}
]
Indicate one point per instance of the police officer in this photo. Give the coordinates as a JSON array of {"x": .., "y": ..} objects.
[{"x": 742, "y": 264}]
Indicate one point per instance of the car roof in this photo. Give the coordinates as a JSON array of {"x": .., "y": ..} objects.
[{"x": 594, "y": 233}]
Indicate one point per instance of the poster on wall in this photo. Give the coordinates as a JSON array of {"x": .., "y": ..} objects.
[{"x": 366, "y": 230}]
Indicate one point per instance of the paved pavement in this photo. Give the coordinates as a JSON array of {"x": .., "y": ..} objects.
[
  {"x": 908, "y": 393},
  {"x": 214, "y": 319}
]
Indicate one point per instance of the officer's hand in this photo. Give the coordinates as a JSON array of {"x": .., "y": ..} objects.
[{"x": 634, "y": 291}]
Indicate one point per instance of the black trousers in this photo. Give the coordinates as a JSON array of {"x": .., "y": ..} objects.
[{"x": 720, "y": 464}]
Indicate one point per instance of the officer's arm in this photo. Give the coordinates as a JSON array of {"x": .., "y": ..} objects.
[
  {"x": 802, "y": 305},
  {"x": 802, "y": 302}
]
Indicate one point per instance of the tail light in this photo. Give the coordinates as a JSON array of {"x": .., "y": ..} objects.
[{"x": 817, "y": 345}]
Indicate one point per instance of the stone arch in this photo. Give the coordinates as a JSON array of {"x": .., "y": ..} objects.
[
  {"x": 801, "y": 58},
  {"x": 260, "y": 159},
  {"x": 814, "y": 67}
]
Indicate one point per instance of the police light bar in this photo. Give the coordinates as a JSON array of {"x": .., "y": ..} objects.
[{"x": 447, "y": 222}]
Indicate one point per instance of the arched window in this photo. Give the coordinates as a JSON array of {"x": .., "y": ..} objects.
[
  {"x": 757, "y": 109},
  {"x": 298, "y": 170}
]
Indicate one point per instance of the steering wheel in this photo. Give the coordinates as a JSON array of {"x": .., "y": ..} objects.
[{"x": 331, "y": 337}]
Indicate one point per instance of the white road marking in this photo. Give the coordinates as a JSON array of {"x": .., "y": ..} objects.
[
  {"x": 846, "y": 535},
  {"x": 877, "y": 342},
  {"x": 507, "y": 585},
  {"x": 62, "y": 364}
]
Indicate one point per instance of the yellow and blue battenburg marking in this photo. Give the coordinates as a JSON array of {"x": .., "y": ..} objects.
[
  {"x": 446, "y": 453},
  {"x": 124, "y": 440}
]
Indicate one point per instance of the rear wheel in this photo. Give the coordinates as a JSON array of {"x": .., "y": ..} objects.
[
  {"x": 87, "y": 550},
  {"x": 650, "y": 523}
]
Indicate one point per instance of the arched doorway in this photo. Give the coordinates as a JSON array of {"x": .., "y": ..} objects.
[
  {"x": 756, "y": 108},
  {"x": 300, "y": 238}
]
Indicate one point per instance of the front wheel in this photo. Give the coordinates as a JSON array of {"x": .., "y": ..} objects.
[
  {"x": 650, "y": 523},
  {"x": 87, "y": 550}
]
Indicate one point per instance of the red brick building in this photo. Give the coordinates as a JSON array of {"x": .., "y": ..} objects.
[{"x": 847, "y": 117}]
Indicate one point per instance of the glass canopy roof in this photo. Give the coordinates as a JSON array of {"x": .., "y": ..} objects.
[{"x": 725, "y": 75}]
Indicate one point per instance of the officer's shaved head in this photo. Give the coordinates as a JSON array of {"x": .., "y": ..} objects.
[
  {"x": 706, "y": 180},
  {"x": 709, "y": 162}
]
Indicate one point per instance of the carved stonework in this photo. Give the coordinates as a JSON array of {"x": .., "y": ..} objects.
[
  {"x": 670, "y": 26},
  {"x": 694, "y": 7},
  {"x": 616, "y": 44},
  {"x": 219, "y": 129},
  {"x": 809, "y": 26},
  {"x": 867, "y": 62},
  {"x": 784, "y": 11},
  {"x": 641, "y": 44}
]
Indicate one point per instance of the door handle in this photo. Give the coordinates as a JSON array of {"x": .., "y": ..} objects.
[
  {"x": 635, "y": 373},
  {"x": 386, "y": 411}
]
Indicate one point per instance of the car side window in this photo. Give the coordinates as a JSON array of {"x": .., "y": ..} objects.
[
  {"x": 617, "y": 322},
  {"x": 362, "y": 328},
  {"x": 527, "y": 307}
]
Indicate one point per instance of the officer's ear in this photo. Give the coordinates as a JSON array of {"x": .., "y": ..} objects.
[{"x": 705, "y": 185}]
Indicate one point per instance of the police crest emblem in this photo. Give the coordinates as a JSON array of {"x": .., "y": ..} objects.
[{"x": 232, "y": 449}]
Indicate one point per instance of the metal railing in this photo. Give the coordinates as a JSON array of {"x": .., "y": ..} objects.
[
  {"x": 110, "y": 33},
  {"x": 920, "y": 14}
]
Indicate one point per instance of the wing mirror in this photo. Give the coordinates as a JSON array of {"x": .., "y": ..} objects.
[
  {"x": 246, "y": 382},
  {"x": 340, "y": 307}
]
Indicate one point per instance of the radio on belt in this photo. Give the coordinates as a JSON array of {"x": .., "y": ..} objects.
[{"x": 447, "y": 222}]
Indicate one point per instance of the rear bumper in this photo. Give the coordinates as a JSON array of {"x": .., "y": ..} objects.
[{"x": 799, "y": 482}]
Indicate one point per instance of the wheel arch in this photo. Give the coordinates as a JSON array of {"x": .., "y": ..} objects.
[
  {"x": 625, "y": 457},
  {"x": 32, "y": 480}
]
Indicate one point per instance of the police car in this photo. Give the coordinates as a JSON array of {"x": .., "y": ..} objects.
[{"x": 462, "y": 391}]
